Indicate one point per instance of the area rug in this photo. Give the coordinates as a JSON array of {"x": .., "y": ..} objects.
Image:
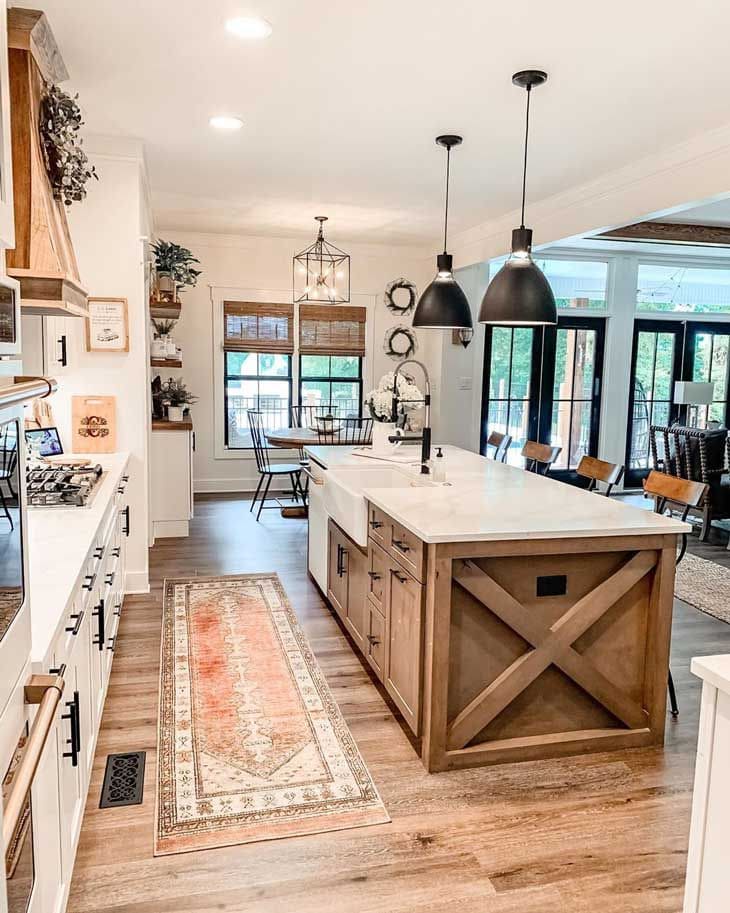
[
  {"x": 704, "y": 585},
  {"x": 251, "y": 744}
]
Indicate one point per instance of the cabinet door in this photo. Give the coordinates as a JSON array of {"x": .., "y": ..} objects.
[
  {"x": 404, "y": 627},
  {"x": 336, "y": 574},
  {"x": 356, "y": 572},
  {"x": 375, "y": 640}
]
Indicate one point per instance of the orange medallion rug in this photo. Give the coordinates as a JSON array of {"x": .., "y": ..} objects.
[{"x": 251, "y": 744}]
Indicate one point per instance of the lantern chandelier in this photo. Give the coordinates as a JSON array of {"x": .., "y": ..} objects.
[{"x": 322, "y": 272}]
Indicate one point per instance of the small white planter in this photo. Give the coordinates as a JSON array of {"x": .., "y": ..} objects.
[
  {"x": 381, "y": 432},
  {"x": 175, "y": 413}
]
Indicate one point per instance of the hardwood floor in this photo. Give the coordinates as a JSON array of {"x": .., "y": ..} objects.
[{"x": 596, "y": 833}]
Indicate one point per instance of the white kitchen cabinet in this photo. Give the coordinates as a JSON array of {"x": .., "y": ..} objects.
[{"x": 171, "y": 479}]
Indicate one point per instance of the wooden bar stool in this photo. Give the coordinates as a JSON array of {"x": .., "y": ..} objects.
[
  {"x": 539, "y": 457},
  {"x": 600, "y": 471},
  {"x": 686, "y": 495},
  {"x": 501, "y": 443}
]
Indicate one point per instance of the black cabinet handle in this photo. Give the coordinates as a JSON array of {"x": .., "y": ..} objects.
[
  {"x": 376, "y": 524},
  {"x": 89, "y": 585},
  {"x": 75, "y": 628},
  {"x": 400, "y": 544},
  {"x": 98, "y": 613},
  {"x": 118, "y": 609},
  {"x": 110, "y": 645},
  {"x": 110, "y": 578},
  {"x": 340, "y": 553},
  {"x": 401, "y": 578},
  {"x": 126, "y": 528},
  {"x": 116, "y": 552},
  {"x": 63, "y": 360},
  {"x": 373, "y": 641},
  {"x": 193, "y": 442},
  {"x": 343, "y": 569},
  {"x": 74, "y": 718},
  {"x": 374, "y": 576},
  {"x": 99, "y": 552}
]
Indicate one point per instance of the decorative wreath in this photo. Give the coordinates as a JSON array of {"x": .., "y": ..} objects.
[
  {"x": 393, "y": 306},
  {"x": 400, "y": 342}
]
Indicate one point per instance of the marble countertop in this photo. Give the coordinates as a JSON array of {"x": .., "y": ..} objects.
[
  {"x": 486, "y": 500},
  {"x": 713, "y": 669},
  {"x": 59, "y": 539}
]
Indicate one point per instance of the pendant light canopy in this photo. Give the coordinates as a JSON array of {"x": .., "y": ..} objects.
[
  {"x": 322, "y": 271},
  {"x": 443, "y": 306},
  {"x": 520, "y": 293}
]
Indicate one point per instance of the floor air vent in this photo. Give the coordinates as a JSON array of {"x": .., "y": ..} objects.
[{"x": 123, "y": 780}]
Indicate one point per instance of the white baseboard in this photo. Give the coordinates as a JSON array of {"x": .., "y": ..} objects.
[
  {"x": 167, "y": 529},
  {"x": 136, "y": 582},
  {"x": 244, "y": 485}
]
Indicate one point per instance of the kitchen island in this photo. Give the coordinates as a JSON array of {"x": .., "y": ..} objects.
[{"x": 509, "y": 616}]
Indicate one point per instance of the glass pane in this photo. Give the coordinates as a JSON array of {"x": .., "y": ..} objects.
[
  {"x": 585, "y": 365},
  {"x": 718, "y": 369},
  {"x": 660, "y": 413},
  {"x": 564, "y": 349},
  {"x": 241, "y": 363},
  {"x": 274, "y": 365},
  {"x": 315, "y": 393},
  {"x": 579, "y": 284},
  {"x": 683, "y": 290},
  {"x": 315, "y": 366},
  {"x": 270, "y": 396},
  {"x": 11, "y": 537},
  {"x": 345, "y": 366},
  {"x": 346, "y": 397},
  {"x": 701, "y": 366},
  {"x": 645, "y": 350},
  {"x": 580, "y": 433},
  {"x": 664, "y": 370},
  {"x": 717, "y": 413},
  {"x": 560, "y": 431},
  {"x": 521, "y": 363},
  {"x": 500, "y": 362}
]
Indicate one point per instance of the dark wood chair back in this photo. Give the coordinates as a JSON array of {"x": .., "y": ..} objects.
[
  {"x": 501, "y": 443},
  {"x": 600, "y": 471},
  {"x": 539, "y": 457},
  {"x": 684, "y": 493},
  {"x": 258, "y": 438}
]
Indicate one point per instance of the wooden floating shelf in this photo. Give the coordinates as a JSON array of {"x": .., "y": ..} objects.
[
  {"x": 164, "y": 424},
  {"x": 166, "y": 362},
  {"x": 164, "y": 310}
]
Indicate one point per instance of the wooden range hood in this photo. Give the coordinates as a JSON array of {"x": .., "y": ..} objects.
[{"x": 43, "y": 260}]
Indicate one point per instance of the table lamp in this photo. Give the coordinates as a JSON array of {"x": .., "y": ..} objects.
[{"x": 691, "y": 394}]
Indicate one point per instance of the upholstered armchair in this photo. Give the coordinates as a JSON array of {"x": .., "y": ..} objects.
[{"x": 699, "y": 455}]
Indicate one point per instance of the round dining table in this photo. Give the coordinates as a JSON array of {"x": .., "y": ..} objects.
[{"x": 294, "y": 438}]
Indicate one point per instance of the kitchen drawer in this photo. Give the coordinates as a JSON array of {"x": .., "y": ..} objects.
[
  {"x": 377, "y": 576},
  {"x": 407, "y": 549},
  {"x": 378, "y": 526},
  {"x": 375, "y": 640},
  {"x": 67, "y": 639}
]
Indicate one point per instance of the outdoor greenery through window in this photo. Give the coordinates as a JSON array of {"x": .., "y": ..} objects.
[
  {"x": 681, "y": 289},
  {"x": 255, "y": 380},
  {"x": 509, "y": 386},
  {"x": 334, "y": 381}
]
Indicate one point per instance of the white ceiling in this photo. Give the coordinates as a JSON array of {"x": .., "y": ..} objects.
[{"x": 341, "y": 105}]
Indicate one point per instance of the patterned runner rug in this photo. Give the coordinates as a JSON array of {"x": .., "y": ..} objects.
[
  {"x": 704, "y": 585},
  {"x": 251, "y": 744}
]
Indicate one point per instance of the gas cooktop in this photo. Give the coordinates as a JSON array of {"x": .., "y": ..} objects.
[{"x": 62, "y": 485}]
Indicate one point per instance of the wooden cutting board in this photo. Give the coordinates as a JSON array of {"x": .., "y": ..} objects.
[{"x": 93, "y": 424}]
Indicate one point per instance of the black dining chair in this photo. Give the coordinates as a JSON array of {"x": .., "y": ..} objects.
[
  {"x": 267, "y": 470},
  {"x": 356, "y": 430},
  {"x": 304, "y": 416}
]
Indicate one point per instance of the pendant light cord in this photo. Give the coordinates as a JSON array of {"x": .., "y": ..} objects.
[
  {"x": 524, "y": 164},
  {"x": 446, "y": 207}
]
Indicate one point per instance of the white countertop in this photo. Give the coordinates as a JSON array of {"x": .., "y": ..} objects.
[
  {"x": 59, "y": 539},
  {"x": 487, "y": 500},
  {"x": 713, "y": 669}
]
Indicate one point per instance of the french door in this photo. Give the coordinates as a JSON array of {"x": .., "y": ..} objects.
[
  {"x": 545, "y": 384},
  {"x": 664, "y": 352}
]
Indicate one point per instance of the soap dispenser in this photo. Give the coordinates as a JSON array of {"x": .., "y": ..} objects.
[{"x": 439, "y": 466}]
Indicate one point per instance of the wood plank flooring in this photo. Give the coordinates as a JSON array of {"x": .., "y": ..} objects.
[{"x": 596, "y": 833}]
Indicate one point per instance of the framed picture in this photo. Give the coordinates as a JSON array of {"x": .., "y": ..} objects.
[{"x": 107, "y": 326}]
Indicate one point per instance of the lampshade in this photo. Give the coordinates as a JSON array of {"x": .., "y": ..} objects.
[
  {"x": 519, "y": 293},
  {"x": 693, "y": 393},
  {"x": 443, "y": 305}
]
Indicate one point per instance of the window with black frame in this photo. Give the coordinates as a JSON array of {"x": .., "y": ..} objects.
[{"x": 257, "y": 363}]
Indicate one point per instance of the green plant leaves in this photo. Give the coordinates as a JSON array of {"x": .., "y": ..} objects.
[{"x": 65, "y": 160}]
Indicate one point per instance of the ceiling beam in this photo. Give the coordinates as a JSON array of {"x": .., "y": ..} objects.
[{"x": 669, "y": 233}]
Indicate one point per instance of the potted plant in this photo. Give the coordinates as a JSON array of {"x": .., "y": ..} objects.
[
  {"x": 174, "y": 268},
  {"x": 380, "y": 405},
  {"x": 176, "y": 396},
  {"x": 163, "y": 345}
]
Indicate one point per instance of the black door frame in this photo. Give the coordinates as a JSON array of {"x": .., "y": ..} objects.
[{"x": 693, "y": 329}]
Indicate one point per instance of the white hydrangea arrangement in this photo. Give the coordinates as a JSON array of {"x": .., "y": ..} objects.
[{"x": 380, "y": 400}]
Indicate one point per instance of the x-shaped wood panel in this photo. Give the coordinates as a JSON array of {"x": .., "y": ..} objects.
[{"x": 551, "y": 645}]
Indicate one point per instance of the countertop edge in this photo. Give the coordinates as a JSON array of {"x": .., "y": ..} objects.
[{"x": 715, "y": 670}]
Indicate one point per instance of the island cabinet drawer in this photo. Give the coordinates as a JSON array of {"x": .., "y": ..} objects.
[
  {"x": 407, "y": 549},
  {"x": 378, "y": 526},
  {"x": 375, "y": 640},
  {"x": 378, "y": 564}
]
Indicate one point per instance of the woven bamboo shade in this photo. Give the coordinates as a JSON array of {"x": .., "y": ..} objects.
[
  {"x": 331, "y": 330},
  {"x": 251, "y": 326}
]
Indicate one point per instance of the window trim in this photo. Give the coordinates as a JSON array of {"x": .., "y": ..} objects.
[
  {"x": 331, "y": 378},
  {"x": 258, "y": 378}
]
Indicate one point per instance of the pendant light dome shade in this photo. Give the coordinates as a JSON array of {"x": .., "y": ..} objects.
[
  {"x": 520, "y": 293},
  {"x": 443, "y": 305}
]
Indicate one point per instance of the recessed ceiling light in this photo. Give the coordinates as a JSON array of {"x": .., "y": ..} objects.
[
  {"x": 224, "y": 122},
  {"x": 251, "y": 27}
]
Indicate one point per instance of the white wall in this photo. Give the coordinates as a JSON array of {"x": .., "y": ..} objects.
[
  {"x": 260, "y": 268},
  {"x": 107, "y": 229}
]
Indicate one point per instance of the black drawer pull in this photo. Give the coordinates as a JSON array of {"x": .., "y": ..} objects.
[
  {"x": 373, "y": 575},
  {"x": 118, "y": 609},
  {"x": 116, "y": 552},
  {"x": 98, "y": 613},
  {"x": 127, "y": 527},
  {"x": 74, "y": 718},
  {"x": 376, "y": 524},
  {"x": 99, "y": 552},
  {"x": 75, "y": 628},
  {"x": 372, "y": 640},
  {"x": 401, "y": 578},
  {"x": 110, "y": 645},
  {"x": 110, "y": 578},
  {"x": 90, "y": 578},
  {"x": 400, "y": 544}
]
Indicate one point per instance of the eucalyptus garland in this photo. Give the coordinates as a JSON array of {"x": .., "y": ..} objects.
[{"x": 66, "y": 162}]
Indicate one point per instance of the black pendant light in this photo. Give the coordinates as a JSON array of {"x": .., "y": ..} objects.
[
  {"x": 520, "y": 293},
  {"x": 443, "y": 306}
]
